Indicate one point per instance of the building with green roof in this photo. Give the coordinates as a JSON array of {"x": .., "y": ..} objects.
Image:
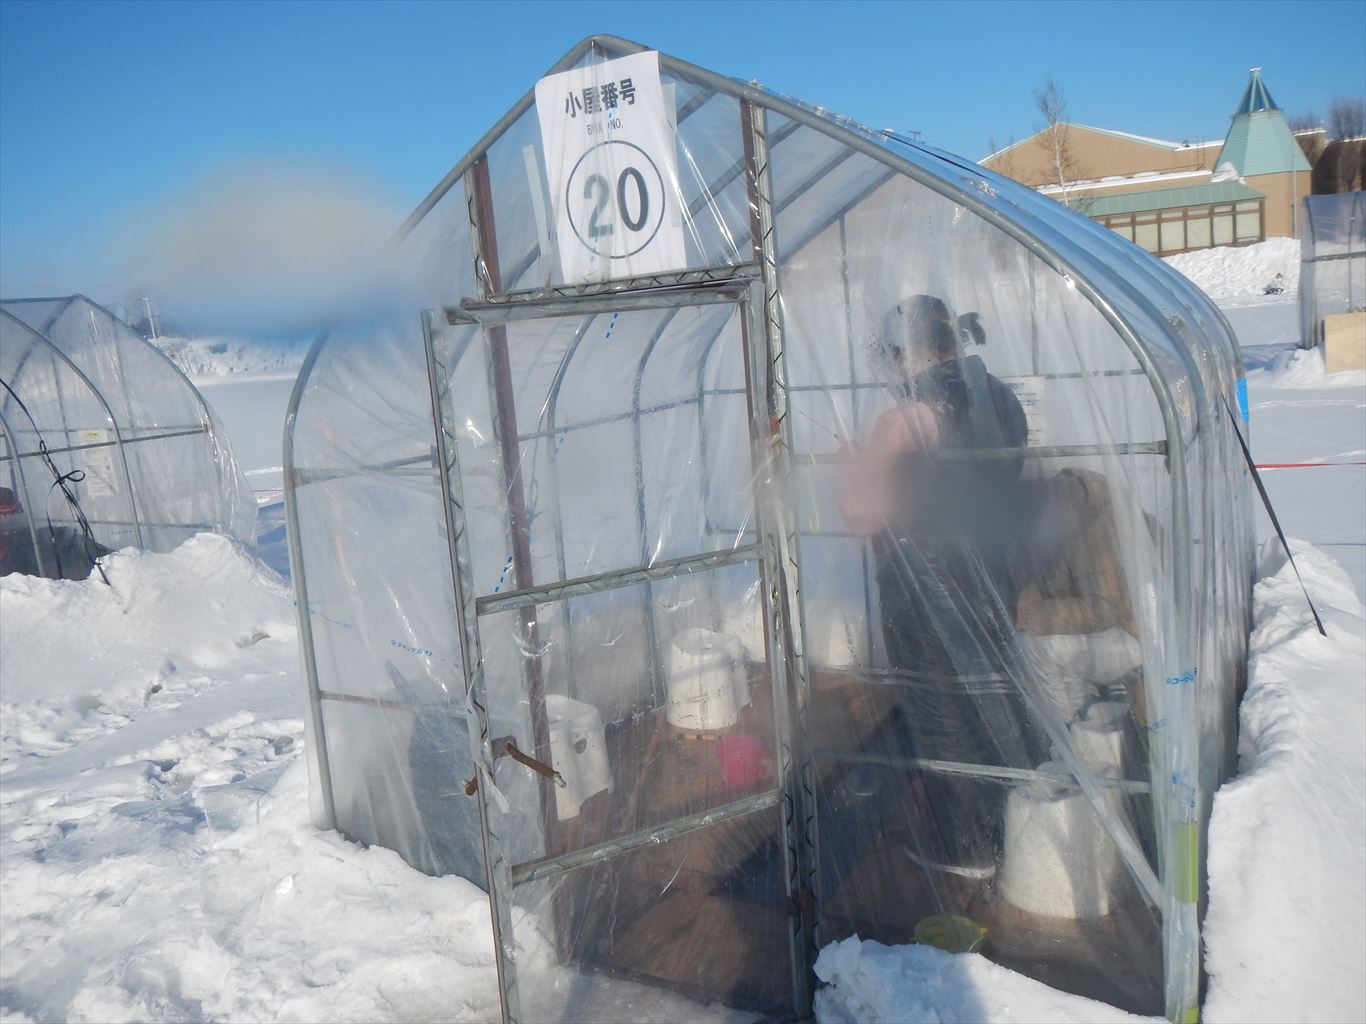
[{"x": 1170, "y": 197}]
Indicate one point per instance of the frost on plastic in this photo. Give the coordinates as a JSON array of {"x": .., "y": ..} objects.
[
  {"x": 880, "y": 570},
  {"x": 157, "y": 465}
]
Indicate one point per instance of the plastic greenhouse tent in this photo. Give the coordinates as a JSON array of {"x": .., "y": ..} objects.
[
  {"x": 754, "y": 530},
  {"x": 1332, "y": 260},
  {"x": 88, "y": 400}
]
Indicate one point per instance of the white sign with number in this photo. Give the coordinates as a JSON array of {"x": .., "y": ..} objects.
[{"x": 612, "y": 169}]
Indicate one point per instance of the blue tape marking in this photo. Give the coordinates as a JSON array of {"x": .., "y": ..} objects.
[
  {"x": 612, "y": 324},
  {"x": 1242, "y": 398},
  {"x": 506, "y": 566},
  {"x": 1182, "y": 680}
]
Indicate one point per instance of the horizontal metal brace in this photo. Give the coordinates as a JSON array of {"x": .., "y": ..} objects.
[
  {"x": 547, "y": 867},
  {"x": 103, "y": 444},
  {"x": 379, "y": 702},
  {"x": 423, "y": 465},
  {"x": 493, "y": 314},
  {"x": 490, "y": 604},
  {"x": 1057, "y": 451},
  {"x": 979, "y": 770},
  {"x": 1337, "y": 256},
  {"x": 742, "y": 272},
  {"x": 147, "y": 524}
]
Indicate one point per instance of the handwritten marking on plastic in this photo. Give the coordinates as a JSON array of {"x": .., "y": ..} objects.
[
  {"x": 1183, "y": 680},
  {"x": 612, "y": 325},
  {"x": 506, "y": 566},
  {"x": 420, "y": 651},
  {"x": 1158, "y": 726},
  {"x": 1185, "y": 792}
]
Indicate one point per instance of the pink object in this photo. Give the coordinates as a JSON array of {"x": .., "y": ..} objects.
[{"x": 742, "y": 760}]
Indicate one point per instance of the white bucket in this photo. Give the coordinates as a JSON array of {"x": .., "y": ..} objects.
[
  {"x": 578, "y": 751},
  {"x": 1059, "y": 860},
  {"x": 705, "y": 680}
]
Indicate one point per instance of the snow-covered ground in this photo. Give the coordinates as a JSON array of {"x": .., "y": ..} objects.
[
  {"x": 204, "y": 358},
  {"x": 157, "y": 861}
]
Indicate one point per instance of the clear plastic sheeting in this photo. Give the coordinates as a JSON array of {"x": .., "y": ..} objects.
[
  {"x": 1332, "y": 261},
  {"x": 878, "y": 567},
  {"x": 86, "y": 398}
]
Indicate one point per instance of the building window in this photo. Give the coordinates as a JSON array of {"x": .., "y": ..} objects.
[
  {"x": 1248, "y": 222},
  {"x": 1182, "y": 229}
]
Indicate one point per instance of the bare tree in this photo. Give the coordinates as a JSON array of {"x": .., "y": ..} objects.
[
  {"x": 1308, "y": 131},
  {"x": 1064, "y": 171},
  {"x": 1347, "y": 119}
]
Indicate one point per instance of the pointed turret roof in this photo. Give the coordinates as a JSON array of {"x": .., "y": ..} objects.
[
  {"x": 1257, "y": 96},
  {"x": 1260, "y": 141}
]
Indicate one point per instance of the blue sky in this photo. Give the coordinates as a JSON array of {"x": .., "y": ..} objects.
[{"x": 109, "y": 109}]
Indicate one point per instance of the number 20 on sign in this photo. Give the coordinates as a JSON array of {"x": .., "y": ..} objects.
[{"x": 615, "y": 199}]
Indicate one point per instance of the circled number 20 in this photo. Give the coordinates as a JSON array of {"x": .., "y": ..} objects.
[
  {"x": 598, "y": 190},
  {"x": 615, "y": 199}
]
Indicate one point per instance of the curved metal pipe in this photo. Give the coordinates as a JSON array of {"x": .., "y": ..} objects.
[{"x": 58, "y": 354}]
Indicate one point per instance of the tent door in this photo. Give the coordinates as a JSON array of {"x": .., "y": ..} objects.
[{"x": 643, "y": 849}]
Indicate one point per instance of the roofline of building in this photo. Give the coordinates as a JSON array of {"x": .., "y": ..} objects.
[
  {"x": 1090, "y": 185},
  {"x": 1143, "y": 140}
]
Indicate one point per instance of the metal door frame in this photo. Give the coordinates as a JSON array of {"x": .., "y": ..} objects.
[{"x": 775, "y": 555}]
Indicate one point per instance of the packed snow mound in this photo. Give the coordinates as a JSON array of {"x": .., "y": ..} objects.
[
  {"x": 78, "y": 653},
  {"x": 214, "y": 357},
  {"x": 1238, "y": 276},
  {"x": 157, "y": 861},
  {"x": 869, "y": 983},
  {"x": 1289, "y": 366},
  {"x": 1287, "y": 864}
]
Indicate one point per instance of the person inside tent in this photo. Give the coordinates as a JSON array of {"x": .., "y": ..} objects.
[
  {"x": 66, "y": 553},
  {"x": 1075, "y": 617},
  {"x": 941, "y": 498}
]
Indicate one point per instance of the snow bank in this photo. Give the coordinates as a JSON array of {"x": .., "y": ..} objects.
[
  {"x": 215, "y": 357},
  {"x": 156, "y": 857},
  {"x": 1237, "y": 276},
  {"x": 161, "y": 630},
  {"x": 1289, "y": 366},
  {"x": 869, "y": 983},
  {"x": 1284, "y": 935}
]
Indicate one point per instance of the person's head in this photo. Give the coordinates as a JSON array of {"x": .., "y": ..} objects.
[
  {"x": 12, "y": 519},
  {"x": 920, "y": 332}
]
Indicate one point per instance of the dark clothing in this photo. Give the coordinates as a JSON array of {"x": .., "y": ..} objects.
[
  {"x": 62, "y": 553},
  {"x": 948, "y": 601}
]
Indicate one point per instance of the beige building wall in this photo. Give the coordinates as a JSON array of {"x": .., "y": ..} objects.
[
  {"x": 1097, "y": 155},
  {"x": 1284, "y": 200}
]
